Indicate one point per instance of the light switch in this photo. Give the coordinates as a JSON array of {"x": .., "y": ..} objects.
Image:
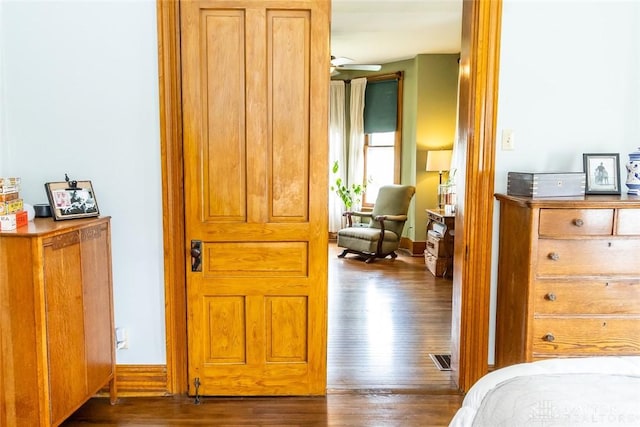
[{"x": 508, "y": 139}]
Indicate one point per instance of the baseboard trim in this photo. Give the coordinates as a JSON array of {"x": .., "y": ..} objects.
[
  {"x": 413, "y": 248},
  {"x": 139, "y": 381}
]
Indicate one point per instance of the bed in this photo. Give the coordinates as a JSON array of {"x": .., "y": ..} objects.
[{"x": 590, "y": 391}]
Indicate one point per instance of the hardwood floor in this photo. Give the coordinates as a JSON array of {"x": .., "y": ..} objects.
[
  {"x": 354, "y": 410},
  {"x": 384, "y": 320}
]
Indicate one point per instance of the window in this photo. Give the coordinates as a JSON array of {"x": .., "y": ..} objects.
[
  {"x": 379, "y": 163},
  {"x": 383, "y": 133}
]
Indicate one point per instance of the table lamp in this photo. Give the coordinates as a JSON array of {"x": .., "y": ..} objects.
[{"x": 439, "y": 161}]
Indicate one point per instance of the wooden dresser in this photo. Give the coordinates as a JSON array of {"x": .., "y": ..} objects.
[
  {"x": 568, "y": 278},
  {"x": 56, "y": 318}
]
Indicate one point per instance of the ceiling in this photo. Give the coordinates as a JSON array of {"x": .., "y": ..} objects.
[{"x": 382, "y": 31}]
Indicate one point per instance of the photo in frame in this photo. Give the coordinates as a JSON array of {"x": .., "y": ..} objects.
[
  {"x": 71, "y": 199},
  {"x": 602, "y": 171}
]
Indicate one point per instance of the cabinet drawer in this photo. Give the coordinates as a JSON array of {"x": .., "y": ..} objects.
[
  {"x": 437, "y": 266},
  {"x": 576, "y": 222},
  {"x": 581, "y": 336},
  {"x": 628, "y": 222},
  {"x": 587, "y": 297},
  {"x": 436, "y": 246},
  {"x": 588, "y": 257}
]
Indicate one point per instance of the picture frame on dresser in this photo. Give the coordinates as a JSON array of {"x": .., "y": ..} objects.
[
  {"x": 70, "y": 200},
  {"x": 602, "y": 171}
]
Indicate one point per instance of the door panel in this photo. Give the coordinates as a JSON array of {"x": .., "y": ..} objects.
[
  {"x": 224, "y": 182},
  {"x": 288, "y": 48},
  {"x": 225, "y": 329},
  {"x": 255, "y": 98},
  {"x": 286, "y": 329},
  {"x": 257, "y": 259}
]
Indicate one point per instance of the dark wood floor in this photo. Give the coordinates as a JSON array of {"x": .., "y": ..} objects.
[{"x": 384, "y": 320}]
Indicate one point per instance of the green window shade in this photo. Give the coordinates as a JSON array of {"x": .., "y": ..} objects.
[{"x": 381, "y": 106}]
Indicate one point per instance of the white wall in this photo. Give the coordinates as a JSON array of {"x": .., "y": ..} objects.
[
  {"x": 569, "y": 84},
  {"x": 78, "y": 94},
  {"x": 3, "y": 154},
  {"x": 80, "y": 86}
]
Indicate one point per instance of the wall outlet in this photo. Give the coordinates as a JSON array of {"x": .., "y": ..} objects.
[
  {"x": 508, "y": 139},
  {"x": 122, "y": 339}
]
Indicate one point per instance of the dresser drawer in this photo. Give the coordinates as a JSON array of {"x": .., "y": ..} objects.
[
  {"x": 628, "y": 222},
  {"x": 582, "y": 336},
  {"x": 587, "y": 297},
  {"x": 600, "y": 256},
  {"x": 576, "y": 222}
]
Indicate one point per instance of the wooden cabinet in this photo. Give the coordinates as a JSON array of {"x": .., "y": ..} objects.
[
  {"x": 440, "y": 234},
  {"x": 57, "y": 337},
  {"x": 568, "y": 278}
]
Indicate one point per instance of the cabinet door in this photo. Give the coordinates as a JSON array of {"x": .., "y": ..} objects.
[
  {"x": 98, "y": 323},
  {"x": 64, "y": 323}
]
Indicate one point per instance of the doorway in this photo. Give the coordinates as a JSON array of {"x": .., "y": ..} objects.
[{"x": 476, "y": 141}]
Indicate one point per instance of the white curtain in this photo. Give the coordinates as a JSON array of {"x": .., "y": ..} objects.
[
  {"x": 355, "y": 164},
  {"x": 337, "y": 149}
]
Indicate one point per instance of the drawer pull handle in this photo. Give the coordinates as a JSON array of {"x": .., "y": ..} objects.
[
  {"x": 578, "y": 222},
  {"x": 549, "y": 337},
  {"x": 554, "y": 256},
  {"x": 551, "y": 296}
]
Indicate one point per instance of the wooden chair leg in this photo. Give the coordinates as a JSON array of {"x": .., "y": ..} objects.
[{"x": 343, "y": 254}]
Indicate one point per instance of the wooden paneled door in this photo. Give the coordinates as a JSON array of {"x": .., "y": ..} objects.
[{"x": 255, "y": 80}]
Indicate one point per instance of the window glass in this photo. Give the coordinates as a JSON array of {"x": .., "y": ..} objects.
[{"x": 379, "y": 163}]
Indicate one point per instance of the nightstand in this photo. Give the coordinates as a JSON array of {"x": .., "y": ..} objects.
[{"x": 440, "y": 234}]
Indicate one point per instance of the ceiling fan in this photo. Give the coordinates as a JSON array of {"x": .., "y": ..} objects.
[{"x": 342, "y": 63}]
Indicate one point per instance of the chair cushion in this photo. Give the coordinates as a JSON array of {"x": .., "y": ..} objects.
[
  {"x": 369, "y": 234},
  {"x": 365, "y": 239}
]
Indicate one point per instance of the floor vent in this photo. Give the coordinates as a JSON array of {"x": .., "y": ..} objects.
[{"x": 442, "y": 361}]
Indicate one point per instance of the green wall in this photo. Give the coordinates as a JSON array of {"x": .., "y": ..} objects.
[{"x": 437, "y": 100}]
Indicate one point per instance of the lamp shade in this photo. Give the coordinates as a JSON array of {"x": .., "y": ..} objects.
[{"x": 439, "y": 160}]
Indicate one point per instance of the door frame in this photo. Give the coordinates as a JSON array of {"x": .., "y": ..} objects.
[{"x": 474, "y": 220}]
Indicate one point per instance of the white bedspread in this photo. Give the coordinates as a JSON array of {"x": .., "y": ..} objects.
[{"x": 595, "y": 391}]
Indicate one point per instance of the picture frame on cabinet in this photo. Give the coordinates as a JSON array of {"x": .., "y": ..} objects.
[
  {"x": 602, "y": 171},
  {"x": 71, "y": 200}
]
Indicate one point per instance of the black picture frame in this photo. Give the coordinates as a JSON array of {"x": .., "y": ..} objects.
[
  {"x": 71, "y": 200},
  {"x": 602, "y": 171}
]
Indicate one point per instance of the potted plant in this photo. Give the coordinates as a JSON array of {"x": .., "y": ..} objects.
[{"x": 349, "y": 194}]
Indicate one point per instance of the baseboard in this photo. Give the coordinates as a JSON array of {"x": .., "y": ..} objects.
[
  {"x": 413, "y": 248},
  {"x": 140, "y": 380}
]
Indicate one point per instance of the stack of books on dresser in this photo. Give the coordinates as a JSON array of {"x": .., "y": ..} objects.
[{"x": 12, "y": 213}]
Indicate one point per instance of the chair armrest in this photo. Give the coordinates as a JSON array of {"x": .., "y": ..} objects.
[
  {"x": 350, "y": 214},
  {"x": 391, "y": 218},
  {"x": 356, "y": 213}
]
